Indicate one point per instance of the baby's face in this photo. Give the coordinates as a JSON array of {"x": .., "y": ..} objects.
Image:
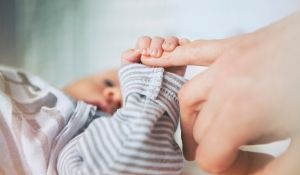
[{"x": 101, "y": 90}]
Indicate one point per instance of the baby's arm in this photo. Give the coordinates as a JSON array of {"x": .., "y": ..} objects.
[{"x": 138, "y": 139}]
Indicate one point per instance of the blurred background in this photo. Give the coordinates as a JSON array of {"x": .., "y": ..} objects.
[{"x": 62, "y": 40}]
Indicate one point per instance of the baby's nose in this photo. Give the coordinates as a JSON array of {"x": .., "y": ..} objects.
[{"x": 113, "y": 96}]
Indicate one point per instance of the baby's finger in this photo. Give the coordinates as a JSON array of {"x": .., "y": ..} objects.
[
  {"x": 130, "y": 56},
  {"x": 171, "y": 42},
  {"x": 143, "y": 44},
  {"x": 155, "y": 49}
]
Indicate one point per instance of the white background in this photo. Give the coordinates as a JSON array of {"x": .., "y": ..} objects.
[{"x": 62, "y": 40}]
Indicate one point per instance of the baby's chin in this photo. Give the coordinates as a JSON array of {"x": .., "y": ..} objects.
[
  {"x": 104, "y": 107},
  {"x": 112, "y": 110}
]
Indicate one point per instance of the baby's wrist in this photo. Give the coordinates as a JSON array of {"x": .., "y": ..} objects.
[{"x": 151, "y": 82}]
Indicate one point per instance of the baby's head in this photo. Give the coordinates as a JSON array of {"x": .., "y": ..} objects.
[{"x": 102, "y": 90}]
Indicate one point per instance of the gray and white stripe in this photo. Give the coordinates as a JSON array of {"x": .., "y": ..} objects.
[{"x": 138, "y": 138}]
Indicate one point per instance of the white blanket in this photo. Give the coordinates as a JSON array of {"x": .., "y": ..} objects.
[{"x": 33, "y": 118}]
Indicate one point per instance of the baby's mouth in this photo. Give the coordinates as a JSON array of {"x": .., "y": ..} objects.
[
  {"x": 105, "y": 107},
  {"x": 100, "y": 105}
]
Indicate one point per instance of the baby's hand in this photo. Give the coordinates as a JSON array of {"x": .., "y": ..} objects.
[{"x": 156, "y": 47}]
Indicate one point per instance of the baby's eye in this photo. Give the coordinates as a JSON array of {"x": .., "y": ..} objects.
[{"x": 109, "y": 83}]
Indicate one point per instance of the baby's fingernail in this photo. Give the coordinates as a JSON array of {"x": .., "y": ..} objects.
[
  {"x": 144, "y": 51},
  {"x": 139, "y": 50},
  {"x": 166, "y": 45},
  {"x": 154, "y": 52},
  {"x": 171, "y": 46},
  {"x": 148, "y": 51}
]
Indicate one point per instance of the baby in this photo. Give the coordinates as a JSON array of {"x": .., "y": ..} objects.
[
  {"x": 138, "y": 139},
  {"x": 45, "y": 132},
  {"x": 103, "y": 89}
]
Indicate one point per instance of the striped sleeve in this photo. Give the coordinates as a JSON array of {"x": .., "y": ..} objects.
[{"x": 138, "y": 139}]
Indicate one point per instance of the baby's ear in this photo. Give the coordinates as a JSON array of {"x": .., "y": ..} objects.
[{"x": 130, "y": 56}]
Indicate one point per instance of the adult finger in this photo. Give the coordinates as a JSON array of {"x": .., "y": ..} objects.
[
  {"x": 248, "y": 164},
  {"x": 206, "y": 117},
  {"x": 191, "y": 97},
  {"x": 200, "y": 52},
  {"x": 143, "y": 44},
  {"x": 215, "y": 95},
  {"x": 230, "y": 129},
  {"x": 155, "y": 49}
]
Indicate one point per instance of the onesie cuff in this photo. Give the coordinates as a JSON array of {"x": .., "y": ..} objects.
[{"x": 154, "y": 83}]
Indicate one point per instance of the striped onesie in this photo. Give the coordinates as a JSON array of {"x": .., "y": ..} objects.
[{"x": 137, "y": 139}]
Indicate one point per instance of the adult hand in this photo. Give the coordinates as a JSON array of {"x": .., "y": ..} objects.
[{"x": 248, "y": 95}]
